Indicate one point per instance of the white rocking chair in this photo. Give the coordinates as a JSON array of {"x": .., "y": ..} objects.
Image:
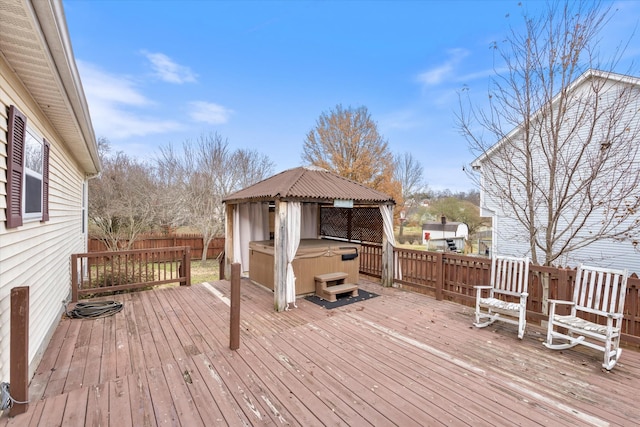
[
  {"x": 598, "y": 292},
  {"x": 507, "y": 300}
]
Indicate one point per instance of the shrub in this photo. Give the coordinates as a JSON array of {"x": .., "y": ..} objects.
[{"x": 120, "y": 274}]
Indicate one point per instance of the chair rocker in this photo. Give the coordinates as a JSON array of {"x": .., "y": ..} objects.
[
  {"x": 596, "y": 314},
  {"x": 507, "y": 296}
]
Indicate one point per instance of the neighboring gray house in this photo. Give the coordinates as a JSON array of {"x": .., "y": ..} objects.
[
  {"x": 607, "y": 108},
  {"x": 48, "y": 152}
]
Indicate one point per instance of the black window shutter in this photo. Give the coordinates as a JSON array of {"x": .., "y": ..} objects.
[
  {"x": 15, "y": 166},
  {"x": 45, "y": 181}
]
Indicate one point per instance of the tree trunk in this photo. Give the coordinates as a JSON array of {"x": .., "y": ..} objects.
[{"x": 206, "y": 241}]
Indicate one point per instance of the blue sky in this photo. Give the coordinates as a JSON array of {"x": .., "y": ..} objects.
[{"x": 260, "y": 73}]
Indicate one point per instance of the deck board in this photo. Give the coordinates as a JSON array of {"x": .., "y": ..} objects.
[
  {"x": 122, "y": 349},
  {"x": 398, "y": 359},
  {"x": 97, "y": 405},
  {"x": 75, "y": 408},
  {"x": 222, "y": 396},
  {"x": 142, "y": 414}
]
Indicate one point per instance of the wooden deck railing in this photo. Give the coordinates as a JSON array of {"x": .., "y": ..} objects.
[
  {"x": 100, "y": 272},
  {"x": 451, "y": 277}
]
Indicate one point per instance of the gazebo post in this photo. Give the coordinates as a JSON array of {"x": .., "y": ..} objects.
[
  {"x": 387, "y": 274},
  {"x": 280, "y": 257},
  {"x": 229, "y": 237},
  {"x": 387, "y": 262}
]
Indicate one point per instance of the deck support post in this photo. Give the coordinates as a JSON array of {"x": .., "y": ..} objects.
[
  {"x": 234, "y": 329},
  {"x": 19, "y": 352}
]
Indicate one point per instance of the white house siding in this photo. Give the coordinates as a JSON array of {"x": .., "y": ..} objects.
[
  {"x": 38, "y": 254},
  {"x": 511, "y": 238}
]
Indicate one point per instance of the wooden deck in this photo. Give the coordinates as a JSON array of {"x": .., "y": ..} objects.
[{"x": 398, "y": 359}]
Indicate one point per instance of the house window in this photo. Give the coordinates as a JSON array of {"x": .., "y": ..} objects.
[
  {"x": 33, "y": 155},
  {"x": 27, "y": 172}
]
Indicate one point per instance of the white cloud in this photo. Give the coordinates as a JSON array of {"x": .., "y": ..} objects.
[
  {"x": 114, "y": 102},
  {"x": 111, "y": 122},
  {"x": 438, "y": 74},
  {"x": 109, "y": 88},
  {"x": 166, "y": 70},
  {"x": 209, "y": 112}
]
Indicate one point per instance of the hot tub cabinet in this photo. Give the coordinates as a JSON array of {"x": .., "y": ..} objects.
[{"x": 314, "y": 257}]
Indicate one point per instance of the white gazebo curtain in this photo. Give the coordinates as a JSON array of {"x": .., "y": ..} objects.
[
  {"x": 250, "y": 223},
  {"x": 293, "y": 241},
  {"x": 309, "y": 221},
  {"x": 387, "y": 223}
]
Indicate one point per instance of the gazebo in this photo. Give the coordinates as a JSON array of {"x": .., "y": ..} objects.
[{"x": 305, "y": 203}]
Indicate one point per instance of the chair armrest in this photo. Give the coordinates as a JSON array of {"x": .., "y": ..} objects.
[
  {"x": 483, "y": 287},
  {"x": 558, "y": 301},
  {"x": 615, "y": 315}
]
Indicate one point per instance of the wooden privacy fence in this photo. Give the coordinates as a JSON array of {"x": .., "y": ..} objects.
[
  {"x": 108, "y": 271},
  {"x": 162, "y": 240},
  {"x": 451, "y": 277}
]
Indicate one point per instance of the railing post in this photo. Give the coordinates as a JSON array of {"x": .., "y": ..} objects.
[
  {"x": 74, "y": 278},
  {"x": 632, "y": 301},
  {"x": 564, "y": 292},
  {"x": 186, "y": 263},
  {"x": 439, "y": 275},
  {"x": 234, "y": 321},
  {"x": 221, "y": 265},
  {"x": 19, "y": 351}
]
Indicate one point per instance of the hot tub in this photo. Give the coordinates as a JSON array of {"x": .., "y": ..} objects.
[{"x": 314, "y": 256}]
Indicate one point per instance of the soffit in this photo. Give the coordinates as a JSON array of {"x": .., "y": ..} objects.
[{"x": 34, "y": 42}]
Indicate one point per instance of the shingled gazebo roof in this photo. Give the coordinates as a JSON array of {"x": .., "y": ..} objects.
[{"x": 309, "y": 183}]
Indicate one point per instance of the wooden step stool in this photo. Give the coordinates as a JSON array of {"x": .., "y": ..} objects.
[{"x": 329, "y": 285}]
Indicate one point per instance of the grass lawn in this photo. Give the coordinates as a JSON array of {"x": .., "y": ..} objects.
[{"x": 207, "y": 271}]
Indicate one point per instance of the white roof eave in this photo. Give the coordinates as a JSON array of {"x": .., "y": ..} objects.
[
  {"x": 59, "y": 80},
  {"x": 621, "y": 78}
]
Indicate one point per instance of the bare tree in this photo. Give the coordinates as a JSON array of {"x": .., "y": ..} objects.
[
  {"x": 457, "y": 210},
  {"x": 409, "y": 173},
  {"x": 250, "y": 167},
  {"x": 567, "y": 174},
  {"x": 201, "y": 175},
  {"x": 121, "y": 200},
  {"x": 347, "y": 142}
]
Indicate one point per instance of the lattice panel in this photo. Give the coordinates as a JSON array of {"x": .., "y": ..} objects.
[{"x": 358, "y": 224}]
